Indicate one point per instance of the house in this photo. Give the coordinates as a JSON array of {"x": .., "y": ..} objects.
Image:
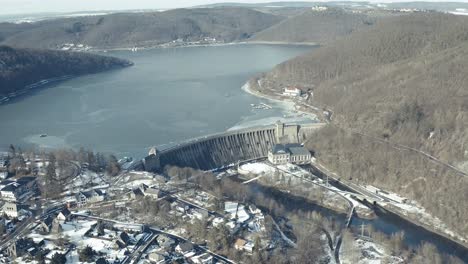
[
  {"x": 242, "y": 244},
  {"x": 292, "y": 91},
  {"x": 11, "y": 209},
  {"x": 136, "y": 193},
  {"x": 153, "y": 193},
  {"x": 93, "y": 196},
  {"x": 289, "y": 153},
  {"x": 20, "y": 247},
  {"x": 248, "y": 247},
  {"x": 11, "y": 192},
  {"x": 184, "y": 248},
  {"x": 50, "y": 225},
  {"x": 64, "y": 215},
  {"x": 45, "y": 226},
  {"x": 157, "y": 257},
  {"x": 200, "y": 214},
  {"x": 204, "y": 258},
  {"x": 239, "y": 244},
  {"x": 122, "y": 240},
  {"x": 165, "y": 241}
]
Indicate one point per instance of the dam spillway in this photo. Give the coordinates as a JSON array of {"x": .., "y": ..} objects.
[{"x": 220, "y": 150}]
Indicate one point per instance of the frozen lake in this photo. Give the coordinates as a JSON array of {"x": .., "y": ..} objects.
[{"x": 168, "y": 96}]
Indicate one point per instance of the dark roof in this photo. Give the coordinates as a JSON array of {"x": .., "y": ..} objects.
[
  {"x": 26, "y": 179},
  {"x": 186, "y": 246},
  {"x": 92, "y": 193},
  {"x": 299, "y": 151},
  {"x": 138, "y": 192},
  {"x": 10, "y": 188},
  {"x": 99, "y": 192},
  {"x": 124, "y": 237},
  {"x": 48, "y": 221},
  {"x": 284, "y": 148},
  {"x": 65, "y": 211},
  {"x": 6, "y": 182}
]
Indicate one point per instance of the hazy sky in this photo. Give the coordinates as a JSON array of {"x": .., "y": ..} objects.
[{"x": 36, "y": 6}]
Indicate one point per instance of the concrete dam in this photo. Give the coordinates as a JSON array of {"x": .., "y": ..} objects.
[{"x": 220, "y": 150}]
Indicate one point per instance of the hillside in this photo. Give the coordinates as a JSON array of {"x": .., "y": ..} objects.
[
  {"x": 315, "y": 26},
  {"x": 139, "y": 29},
  {"x": 403, "y": 80},
  {"x": 22, "y": 67}
]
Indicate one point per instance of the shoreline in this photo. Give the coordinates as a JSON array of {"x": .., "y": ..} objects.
[
  {"x": 34, "y": 86},
  {"x": 286, "y": 104},
  {"x": 194, "y": 45}
]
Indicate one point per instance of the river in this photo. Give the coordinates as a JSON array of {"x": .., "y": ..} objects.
[{"x": 169, "y": 95}]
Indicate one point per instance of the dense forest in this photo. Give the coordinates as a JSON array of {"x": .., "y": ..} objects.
[
  {"x": 139, "y": 29},
  {"x": 403, "y": 80},
  {"x": 22, "y": 67}
]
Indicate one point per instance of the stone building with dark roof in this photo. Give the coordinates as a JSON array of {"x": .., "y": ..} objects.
[{"x": 289, "y": 153}]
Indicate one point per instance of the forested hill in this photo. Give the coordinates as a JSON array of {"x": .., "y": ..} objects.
[
  {"x": 22, "y": 67},
  {"x": 403, "y": 80},
  {"x": 316, "y": 26},
  {"x": 371, "y": 78},
  {"x": 139, "y": 29}
]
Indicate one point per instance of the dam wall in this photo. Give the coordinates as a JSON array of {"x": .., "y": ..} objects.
[{"x": 220, "y": 150}]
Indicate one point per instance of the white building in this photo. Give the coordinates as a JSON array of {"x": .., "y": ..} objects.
[
  {"x": 292, "y": 91},
  {"x": 289, "y": 153},
  {"x": 11, "y": 209},
  {"x": 93, "y": 196}
]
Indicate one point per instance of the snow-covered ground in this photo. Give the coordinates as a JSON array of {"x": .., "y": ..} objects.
[
  {"x": 365, "y": 251},
  {"x": 256, "y": 168}
]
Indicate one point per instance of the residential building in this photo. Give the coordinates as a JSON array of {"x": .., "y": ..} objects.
[
  {"x": 3, "y": 175},
  {"x": 20, "y": 247},
  {"x": 289, "y": 153},
  {"x": 204, "y": 258},
  {"x": 164, "y": 241},
  {"x": 184, "y": 248},
  {"x": 11, "y": 192},
  {"x": 63, "y": 215},
  {"x": 11, "y": 209},
  {"x": 93, "y": 196},
  {"x": 239, "y": 244},
  {"x": 157, "y": 257},
  {"x": 153, "y": 193},
  {"x": 123, "y": 240},
  {"x": 292, "y": 91}
]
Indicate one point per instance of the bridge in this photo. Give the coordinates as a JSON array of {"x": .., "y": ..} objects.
[{"x": 223, "y": 149}]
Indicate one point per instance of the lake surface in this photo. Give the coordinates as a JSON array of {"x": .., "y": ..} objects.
[{"x": 168, "y": 95}]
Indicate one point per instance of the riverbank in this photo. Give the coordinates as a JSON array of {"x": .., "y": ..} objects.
[{"x": 34, "y": 86}]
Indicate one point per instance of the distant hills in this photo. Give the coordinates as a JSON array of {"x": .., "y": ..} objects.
[
  {"x": 315, "y": 26},
  {"x": 218, "y": 24},
  {"x": 22, "y": 67},
  {"x": 139, "y": 29},
  {"x": 369, "y": 78}
]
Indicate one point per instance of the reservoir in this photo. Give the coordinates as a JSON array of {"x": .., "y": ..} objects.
[{"x": 169, "y": 95}]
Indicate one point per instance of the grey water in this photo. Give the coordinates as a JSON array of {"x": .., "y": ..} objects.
[{"x": 169, "y": 95}]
